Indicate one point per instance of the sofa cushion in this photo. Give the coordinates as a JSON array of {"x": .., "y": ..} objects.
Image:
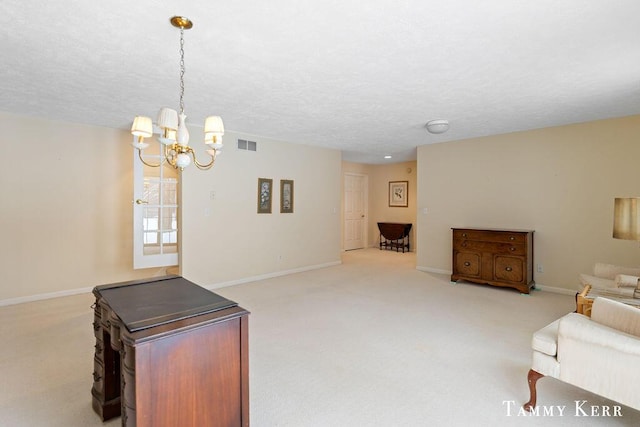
[
  {"x": 545, "y": 340},
  {"x": 616, "y": 315},
  {"x": 610, "y": 271},
  {"x": 609, "y": 285},
  {"x": 626, "y": 281}
]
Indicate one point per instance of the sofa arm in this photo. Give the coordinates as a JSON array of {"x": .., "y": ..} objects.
[
  {"x": 599, "y": 359},
  {"x": 580, "y": 329}
]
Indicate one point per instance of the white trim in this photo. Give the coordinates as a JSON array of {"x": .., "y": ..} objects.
[
  {"x": 563, "y": 291},
  {"x": 270, "y": 275},
  {"x": 70, "y": 292},
  {"x": 365, "y": 202},
  {"x": 38, "y": 297},
  {"x": 433, "y": 270},
  {"x": 537, "y": 287}
]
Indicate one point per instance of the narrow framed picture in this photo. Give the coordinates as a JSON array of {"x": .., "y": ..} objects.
[
  {"x": 398, "y": 194},
  {"x": 286, "y": 196},
  {"x": 265, "y": 195}
]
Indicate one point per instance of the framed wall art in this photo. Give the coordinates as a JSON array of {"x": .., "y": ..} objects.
[
  {"x": 286, "y": 196},
  {"x": 265, "y": 195},
  {"x": 398, "y": 194}
]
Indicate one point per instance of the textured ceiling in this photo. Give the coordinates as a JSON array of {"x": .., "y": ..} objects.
[{"x": 360, "y": 76}]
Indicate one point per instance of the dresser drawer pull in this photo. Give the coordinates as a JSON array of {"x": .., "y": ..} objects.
[
  {"x": 467, "y": 263},
  {"x": 464, "y": 244},
  {"x": 512, "y": 249},
  {"x": 464, "y": 234},
  {"x": 96, "y": 376},
  {"x": 512, "y": 238},
  {"x": 509, "y": 269}
]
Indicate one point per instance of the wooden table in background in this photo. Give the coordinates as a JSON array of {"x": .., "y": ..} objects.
[{"x": 395, "y": 235}]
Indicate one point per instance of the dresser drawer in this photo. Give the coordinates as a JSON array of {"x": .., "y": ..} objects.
[
  {"x": 510, "y": 269},
  {"x": 98, "y": 377},
  {"x": 99, "y": 350},
  {"x": 493, "y": 247},
  {"x": 467, "y": 264},
  {"x": 489, "y": 236}
]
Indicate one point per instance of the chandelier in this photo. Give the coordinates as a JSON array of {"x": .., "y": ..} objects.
[{"x": 174, "y": 135}]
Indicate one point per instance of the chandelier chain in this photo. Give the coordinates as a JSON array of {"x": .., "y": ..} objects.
[{"x": 181, "y": 70}]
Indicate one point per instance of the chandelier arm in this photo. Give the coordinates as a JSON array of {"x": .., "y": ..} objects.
[
  {"x": 203, "y": 166},
  {"x": 151, "y": 165},
  {"x": 170, "y": 154}
]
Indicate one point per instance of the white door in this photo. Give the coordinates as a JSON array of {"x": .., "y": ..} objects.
[
  {"x": 355, "y": 215},
  {"x": 155, "y": 211}
]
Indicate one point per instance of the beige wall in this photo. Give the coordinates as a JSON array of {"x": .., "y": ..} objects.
[
  {"x": 66, "y": 204},
  {"x": 67, "y": 211},
  {"x": 66, "y": 194},
  {"x": 559, "y": 181},
  {"x": 225, "y": 241},
  {"x": 378, "y": 192}
]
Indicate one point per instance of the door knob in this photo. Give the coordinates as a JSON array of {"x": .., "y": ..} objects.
[{"x": 141, "y": 202}]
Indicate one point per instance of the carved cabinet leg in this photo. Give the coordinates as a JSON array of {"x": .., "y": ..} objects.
[{"x": 532, "y": 378}]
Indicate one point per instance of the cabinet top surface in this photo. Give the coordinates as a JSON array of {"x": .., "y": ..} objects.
[
  {"x": 148, "y": 303},
  {"x": 506, "y": 230}
]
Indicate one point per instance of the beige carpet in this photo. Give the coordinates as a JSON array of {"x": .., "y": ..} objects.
[{"x": 372, "y": 342}]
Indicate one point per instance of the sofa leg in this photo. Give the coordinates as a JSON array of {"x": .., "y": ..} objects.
[{"x": 532, "y": 378}]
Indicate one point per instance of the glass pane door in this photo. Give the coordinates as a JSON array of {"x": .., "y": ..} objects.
[{"x": 155, "y": 210}]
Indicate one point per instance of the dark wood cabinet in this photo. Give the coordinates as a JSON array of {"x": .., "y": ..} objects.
[
  {"x": 170, "y": 353},
  {"x": 494, "y": 256}
]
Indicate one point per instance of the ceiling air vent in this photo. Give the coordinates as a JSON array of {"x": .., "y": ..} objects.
[{"x": 247, "y": 145}]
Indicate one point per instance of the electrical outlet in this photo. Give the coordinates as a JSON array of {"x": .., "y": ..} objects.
[{"x": 539, "y": 268}]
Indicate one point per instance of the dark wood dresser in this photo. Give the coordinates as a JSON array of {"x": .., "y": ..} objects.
[
  {"x": 170, "y": 353},
  {"x": 494, "y": 256}
]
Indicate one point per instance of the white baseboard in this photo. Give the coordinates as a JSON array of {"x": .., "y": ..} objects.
[
  {"x": 270, "y": 275},
  {"x": 433, "y": 270},
  {"x": 538, "y": 286},
  {"x": 38, "y": 297},
  {"x": 563, "y": 291}
]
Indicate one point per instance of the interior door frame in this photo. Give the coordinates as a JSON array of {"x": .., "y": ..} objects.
[
  {"x": 365, "y": 224},
  {"x": 141, "y": 260}
]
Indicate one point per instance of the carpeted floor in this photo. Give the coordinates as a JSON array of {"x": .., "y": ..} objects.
[{"x": 371, "y": 342}]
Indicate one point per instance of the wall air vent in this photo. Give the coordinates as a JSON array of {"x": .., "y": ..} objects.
[{"x": 247, "y": 145}]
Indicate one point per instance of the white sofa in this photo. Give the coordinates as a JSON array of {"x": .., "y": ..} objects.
[
  {"x": 600, "y": 354},
  {"x": 613, "y": 279}
]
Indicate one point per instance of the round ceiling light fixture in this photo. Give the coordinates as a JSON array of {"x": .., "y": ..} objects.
[{"x": 438, "y": 126}]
